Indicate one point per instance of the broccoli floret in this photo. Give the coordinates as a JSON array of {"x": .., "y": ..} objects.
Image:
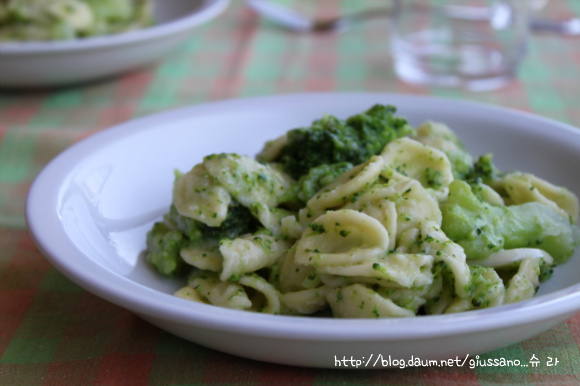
[
  {"x": 483, "y": 170},
  {"x": 188, "y": 226},
  {"x": 163, "y": 247},
  {"x": 546, "y": 271},
  {"x": 331, "y": 140},
  {"x": 239, "y": 221},
  {"x": 461, "y": 163},
  {"x": 317, "y": 178},
  {"x": 482, "y": 229},
  {"x": 167, "y": 238}
]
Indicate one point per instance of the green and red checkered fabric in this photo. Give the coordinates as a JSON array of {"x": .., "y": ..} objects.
[{"x": 54, "y": 333}]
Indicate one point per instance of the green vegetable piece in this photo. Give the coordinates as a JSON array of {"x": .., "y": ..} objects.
[
  {"x": 163, "y": 247},
  {"x": 484, "y": 170},
  {"x": 239, "y": 221},
  {"x": 331, "y": 140},
  {"x": 167, "y": 238},
  {"x": 461, "y": 163},
  {"x": 482, "y": 229},
  {"x": 546, "y": 271},
  {"x": 317, "y": 178},
  {"x": 188, "y": 226}
]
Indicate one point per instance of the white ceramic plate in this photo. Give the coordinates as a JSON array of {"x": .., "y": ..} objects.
[
  {"x": 90, "y": 208},
  {"x": 57, "y": 63}
]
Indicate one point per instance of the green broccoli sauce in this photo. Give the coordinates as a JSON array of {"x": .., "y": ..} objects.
[
  {"x": 482, "y": 287},
  {"x": 163, "y": 247},
  {"x": 546, "y": 271},
  {"x": 167, "y": 238},
  {"x": 316, "y": 178},
  {"x": 239, "y": 221},
  {"x": 331, "y": 140},
  {"x": 433, "y": 178},
  {"x": 461, "y": 164},
  {"x": 483, "y": 170}
]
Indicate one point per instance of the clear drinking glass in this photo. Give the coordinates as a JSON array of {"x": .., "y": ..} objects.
[{"x": 473, "y": 44}]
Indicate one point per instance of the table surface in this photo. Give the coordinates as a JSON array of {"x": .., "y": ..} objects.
[{"x": 52, "y": 332}]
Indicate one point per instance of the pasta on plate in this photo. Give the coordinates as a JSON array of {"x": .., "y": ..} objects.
[
  {"x": 44, "y": 20},
  {"x": 362, "y": 218}
]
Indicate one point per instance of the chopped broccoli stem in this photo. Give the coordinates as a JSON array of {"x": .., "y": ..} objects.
[{"x": 482, "y": 229}]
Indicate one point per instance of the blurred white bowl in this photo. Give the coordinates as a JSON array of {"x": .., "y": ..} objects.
[
  {"x": 57, "y": 63},
  {"x": 90, "y": 208}
]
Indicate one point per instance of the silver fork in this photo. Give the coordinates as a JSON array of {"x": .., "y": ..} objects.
[{"x": 294, "y": 21}]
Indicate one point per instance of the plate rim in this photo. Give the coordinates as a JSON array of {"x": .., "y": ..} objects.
[{"x": 559, "y": 303}]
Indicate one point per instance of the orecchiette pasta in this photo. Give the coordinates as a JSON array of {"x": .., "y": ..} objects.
[
  {"x": 249, "y": 253},
  {"x": 345, "y": 187},
  {"x": 439, "y": 136},
  {"x": 270, "y": 218},
  {"x": 196, "y": 195},
  {"x": 272, "y": 149},
  {"x": 220, "y": 293},
  {"x": 359, "y": 301},
  {"x": 509, "y": 257},
  {"x": 488, "y": 291},
  {"x": 432, "y": 240},
  {"x": 376, "y": 204},
  {"x": 341, "y": 237},
  {"x": 422, "y": 163},
  {"x": 266, "y": 298},
  {"x": 246, "y": 179},
  {"x": 525, "y": 187},
  {"x": 407, "y": 298},
  {"x": 389, "y": 237},
  {"x": 524, "y": 284},
  {"x": 413, "y": 205},
  {"x": 203, "y": 257},
  {"x": 390, "y": 270},
  {"x": 307, "y": 301},
  {"x": 291, "y": 276},
  {"x": 489, "y": 195}
]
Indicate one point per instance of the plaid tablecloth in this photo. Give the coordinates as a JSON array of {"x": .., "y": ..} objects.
[{"x": 54, "y": 333}]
